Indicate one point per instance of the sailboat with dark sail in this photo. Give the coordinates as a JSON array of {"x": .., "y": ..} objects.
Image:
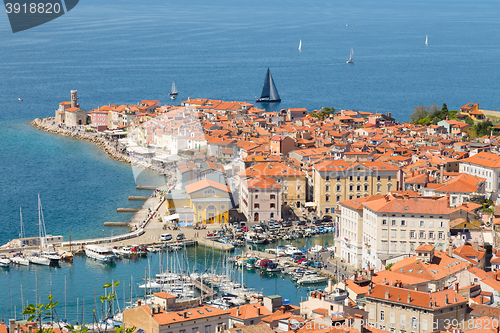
[{"x": 269, "y": 91}]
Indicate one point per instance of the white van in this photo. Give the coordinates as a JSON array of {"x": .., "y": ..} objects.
[{"x": 165, "y": 237}]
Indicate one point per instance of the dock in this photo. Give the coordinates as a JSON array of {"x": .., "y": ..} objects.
[
  {"x": 137, "y": 198},
  {"x": 215, "y": 244},
  {"x": 127, "y": 210},
  {"x": 151, "y": 188},
  {"x": 206, "y": 292},
  {"x": 116, "y": 224}
]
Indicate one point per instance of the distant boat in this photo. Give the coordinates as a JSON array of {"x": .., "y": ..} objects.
[
  {"x": 269, "y": 91},
  {"x": 173, "y": 92},
  {"x": 20, "y": 99},
  {"x": 300, "y": 45},
  {"x": 426, "y": 40},
  {"x": 351, "y": 57}
]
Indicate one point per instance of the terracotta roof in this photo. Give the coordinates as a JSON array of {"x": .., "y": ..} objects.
[
  {"x": 416, "y": 298},
  {"x": 485, "y": 159},
  {"x": 199, "y": 185},
  {"x": 249, "y": 311}
]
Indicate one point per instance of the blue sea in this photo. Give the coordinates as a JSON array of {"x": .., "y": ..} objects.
[{"x": 121, "y": 52}]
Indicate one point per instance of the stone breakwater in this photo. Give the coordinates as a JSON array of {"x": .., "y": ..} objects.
[{"x": 109, "y": 146}]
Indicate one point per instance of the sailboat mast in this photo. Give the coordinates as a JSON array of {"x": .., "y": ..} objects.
[{"x": 39, "y": 222}]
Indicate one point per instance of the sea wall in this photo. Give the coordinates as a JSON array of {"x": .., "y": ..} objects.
[{"x": 109, "y": 146}]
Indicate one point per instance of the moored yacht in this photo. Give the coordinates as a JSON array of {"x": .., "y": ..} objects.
[{"x": 101, "y": 253}]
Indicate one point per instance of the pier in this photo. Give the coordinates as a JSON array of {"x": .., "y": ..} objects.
[
  {"x": 127, "y": 210},
  {"x": 137, "y": 198},
  {"x": 206, "y": 292},
  {"x": 151, "y": 188}
]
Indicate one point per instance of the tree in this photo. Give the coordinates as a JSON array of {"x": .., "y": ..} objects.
[
  {"x": 419, "y": 113},
  {"x": 321, "y": 115},
  {"x": 388, "y": 266},
  {"x": 444, "y": 108},
  {"x": 39, "y": 310},
  {"x": 469, "y": 121}
]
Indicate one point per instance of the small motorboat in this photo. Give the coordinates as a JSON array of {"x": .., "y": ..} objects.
[
  {"x": 20, "y": 99},
  {"x": 4, "y": 261}
]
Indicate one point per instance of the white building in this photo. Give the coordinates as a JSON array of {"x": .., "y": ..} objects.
[
  {"x": 399, "y": 224},
  {"x": 484, "y": 165},
  {"x": 260, "y": 198}
]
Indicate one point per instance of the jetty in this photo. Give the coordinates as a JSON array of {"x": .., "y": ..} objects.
[{"x": 206, "y": 292}]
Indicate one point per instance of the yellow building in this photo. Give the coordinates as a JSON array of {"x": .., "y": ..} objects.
[
  {"x": 338, "y": 180},
  {"x": 210, "y": 201}
]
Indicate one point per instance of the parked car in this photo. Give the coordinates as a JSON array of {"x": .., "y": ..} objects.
[
  {"x": 245, "y": 229},
  {"x": 317, "y": 222},
  {"x": 180, "y": 237},
  {"x": 239, "y": 229},
  {"x": 165, "y": 237},
  {"x": 301, "y": 222},
  {"x": 327, "y": 218},
  {"x": 276, "y": 225},
  {"x": 286, "y": 224}
]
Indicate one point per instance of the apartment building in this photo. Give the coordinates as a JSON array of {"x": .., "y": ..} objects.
[
  {"x": 260, "y": 198},
  {"x": 484, "y": 165},
  {"x": 401, "y": 310},
  {"x": 338, "y": 180},
  {"x": 399, "y": 224},
  {"x": 351, "y": 229},
  {"x": 291, "y": 180}
]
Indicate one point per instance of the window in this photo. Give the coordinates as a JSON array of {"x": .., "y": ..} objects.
[
  {"x": 272, "y": 197},
  {"x": 431, "y": 224},
  {"x": 195, "y": 329},
  {"x": 431, "y": 235},
  {"x": 384, "y": 222},
  {"x": 366, "y": 188},
  {"x": 338, "y": 198},
  {"x": 393, "y": 233},
  {"x": 378, "y": 178},
  {"x": 412, "y": 223},
  {"x": 422, "y": 235},
  {"x": 358, "y": 178},
  {"x": 351, "y": 187},
  {"x": 441, "y": 224},
  {"x": 366, "y": 178},
  {"x": 421, "y": 224},
  {"x": 441, "y": 235},
  {"x": 413, "y": 322},
  {"x": 403, "y": 247},
  {"x": 256, "y": 205},
  {"x": 207, "y": 329},
  {"x": 402, "y": 319},
  {"x": 358, "y": 187},
  {"x": 256, "y": 196},
  {"x": 327, "y": 198},
  {"x": 412, "y": 247},
  {"x": 286, "y": 188},
  {"x": 338, "y": 188},
  {"x": 392, "y": 317},
  {"x": 327, "y": 188},
  {"x": 379, "y": 187},
  {"x": 389, "y": 187},
  {"x": 393, "y": 246},
  {"x": 327, "y": 178},
  {"x": 384, "y": 233},
  {"x": 273, "y": 205},
  {"x": 350, "y": 196},
  {"x": 327, "y": 210},
  {"x": 412, "y": 234},
  {"x": 403, "y": 233},
  {"x": 298, "y": 188},
  {"x": 403, "y": 223},
  {"x": 389, "y": 178},
  {"x": 272, "y": 215},
  {"x": 338, "y": 178},
  {"x": 382, "y": 316},
  {"x": 394, "y": 223},
  {"x": 372, "y": 314}
]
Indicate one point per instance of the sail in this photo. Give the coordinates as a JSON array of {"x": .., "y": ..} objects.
[
  {"x": 173, "y": 88},
  {"x": 351, "y": 57},
  {"x": 274, "y": 92},
  {"x": 266, "y": 88},
  {"x": 300, "y": 45}
]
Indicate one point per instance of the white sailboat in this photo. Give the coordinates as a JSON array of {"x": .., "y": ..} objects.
[
  {"x": 45, "y": 256},
  {"x": 174, "y": 91},
  {"x": 351, "y": 57},
  {"x": 19, "y": 258},
  {"x": 426, "y": 40},
  {"x": 300, "y": 45},
  {"x": 4, "y": 261}
]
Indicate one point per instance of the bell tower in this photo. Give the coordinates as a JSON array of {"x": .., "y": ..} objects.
[{"x": 74, "y": 99}]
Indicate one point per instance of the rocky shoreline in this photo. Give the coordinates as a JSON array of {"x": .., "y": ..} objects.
[{"x": 110, "y": 147}]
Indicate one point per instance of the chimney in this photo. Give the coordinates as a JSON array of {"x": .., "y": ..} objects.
[
  {"x": 455, "y": 299},
  {"x": 430, "y": 302},
  {"x": 450, "y": 249},
  {"x": 12, "y": 325},
  {"x": 329, "y": 285},
  {"x": 385, "y": 281},
  {"x": 399, "y": 298},
  {"x": 387, "y": 293},
  {"x": 185, "y": 314},
  {"x": 456, "y": 287},
  {"x": 446, "y": 301},
  {"x": 475, "y": 245},
  {"x": 258, "y": 311},
  {"x": 283, "y": 309},
  {"x": 435, "y": 303},
  {"x": 409, "y": 298},
  {"x": 238, "y": 311},
  {"x": 138, "y": 302}
]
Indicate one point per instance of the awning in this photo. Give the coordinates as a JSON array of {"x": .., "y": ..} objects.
[
  {"x": 310, "y": 204},
  {"x": 171, "y": 217}
]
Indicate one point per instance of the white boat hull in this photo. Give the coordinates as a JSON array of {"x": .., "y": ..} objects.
[{"x": 39, "y": 261}]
